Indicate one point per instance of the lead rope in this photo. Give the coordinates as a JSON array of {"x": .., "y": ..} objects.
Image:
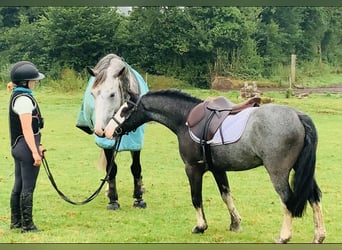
[{"x": 91, "y": 197}]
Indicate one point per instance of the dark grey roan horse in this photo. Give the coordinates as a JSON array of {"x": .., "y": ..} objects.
[
  {"x": 114, "y": 80},
  {"x": 276, "y": 136}
]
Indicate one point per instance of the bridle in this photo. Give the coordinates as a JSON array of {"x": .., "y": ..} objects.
[{"x": 131, "y": 107}]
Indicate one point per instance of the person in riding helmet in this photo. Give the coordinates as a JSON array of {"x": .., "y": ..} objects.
[{"x": 25, "y": 123}]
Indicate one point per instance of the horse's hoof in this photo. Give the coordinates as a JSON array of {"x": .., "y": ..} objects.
[
  {"x": 113, "y": 206},
  {"x": 319, "y": 240},
  {"x": 235, "y": 228},
  {"x": 139, "y": 204},
  {"x": 282, "y": 241},
  {"x": 197, "y": 230}
]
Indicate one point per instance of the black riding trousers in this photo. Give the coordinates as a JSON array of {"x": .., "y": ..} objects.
[{"x": 25, "y": 172}]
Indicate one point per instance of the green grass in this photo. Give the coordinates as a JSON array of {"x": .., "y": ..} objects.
[{"x": 169, "y": 216}]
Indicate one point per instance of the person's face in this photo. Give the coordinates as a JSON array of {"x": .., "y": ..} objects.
[{"x": 32, "y": 83}]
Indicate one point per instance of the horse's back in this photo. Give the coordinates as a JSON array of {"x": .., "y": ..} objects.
[
  {"x": 277, "y": 132},
  {"x": 272, "y": 132},
  {"x": 276, "y": 124}
]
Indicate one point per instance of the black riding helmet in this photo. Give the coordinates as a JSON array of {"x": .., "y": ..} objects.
[{"x": 25, "y": 71}]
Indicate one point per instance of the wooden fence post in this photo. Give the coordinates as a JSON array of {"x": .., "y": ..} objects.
[{"x": 293, "y": 70}]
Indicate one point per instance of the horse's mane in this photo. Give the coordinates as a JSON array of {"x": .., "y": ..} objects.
[
  {"x": 177, "y": 94},
  {"x": 101, "y": 68}
]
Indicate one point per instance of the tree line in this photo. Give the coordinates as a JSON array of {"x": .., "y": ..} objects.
[{"x": 189, "y": 43}]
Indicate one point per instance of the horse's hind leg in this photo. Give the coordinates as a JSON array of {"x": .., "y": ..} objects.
[
  {"x": 139, "y": 188},
  {"x": 282, "y": 187},
  {"x": 317, "y": 214},
  {"x": 318, "y": 222},
  {"x": 223, "y": 186},
  {"x": 286, "y": 228},
  {"x": 112, "y": 193}
]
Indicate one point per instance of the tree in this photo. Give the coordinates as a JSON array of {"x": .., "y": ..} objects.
[
  {"x": 190, "y": 43},
  {"x": 9, "y": 16},
  {"x": 78, "y": 37},
  {"x": 331, "y": 42},
  {"x": 314, "y": 27},
  {"x": 22, "y": 38}
]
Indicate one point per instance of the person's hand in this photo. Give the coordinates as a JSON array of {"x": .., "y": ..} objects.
[
  {"x": 37, "y": 159},
  {"x": 42, "y": 150}
]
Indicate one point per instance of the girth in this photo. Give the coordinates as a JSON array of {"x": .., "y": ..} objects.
[{"x": 206, "y": 118}]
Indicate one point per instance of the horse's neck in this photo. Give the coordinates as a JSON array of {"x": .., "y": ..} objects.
[{"x": 168, "y": 111}]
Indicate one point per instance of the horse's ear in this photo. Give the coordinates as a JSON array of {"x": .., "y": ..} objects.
[
  {"x": 121, "y": 71},
  {"x": 91, "y": 71}
]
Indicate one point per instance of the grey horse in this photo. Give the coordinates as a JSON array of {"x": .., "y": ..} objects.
[
  {"x": 278, "y": 137},
  {"x": 114, "y": 80}
]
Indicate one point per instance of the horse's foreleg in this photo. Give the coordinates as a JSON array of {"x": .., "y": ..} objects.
[
  {"x": 195, "y": 179},
  {"x": 201, "y": 225},
  {"x": 318, "y": 222},
  {"x": 223, "y": 186},
  {"x": 286, "y": 229},
  {"x": 112, "y": 193},
  {"x": 139, "y": 188}
]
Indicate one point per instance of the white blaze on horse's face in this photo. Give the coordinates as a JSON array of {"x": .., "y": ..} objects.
[
  {"x": 114, "y": 123},
  {"x": 108, "y": 96}
]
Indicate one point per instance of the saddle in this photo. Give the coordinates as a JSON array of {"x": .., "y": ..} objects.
[{"x": 206, "y": 118}]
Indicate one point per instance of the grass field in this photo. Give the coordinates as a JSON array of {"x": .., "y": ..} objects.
[{"x": 169, "y": 217}]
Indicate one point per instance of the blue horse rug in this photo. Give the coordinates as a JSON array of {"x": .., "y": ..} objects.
[{"x": 132, "y": 141}]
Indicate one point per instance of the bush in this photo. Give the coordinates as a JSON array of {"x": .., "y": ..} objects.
[
  {"x": 4, "y": 73},
  {"x": 69, "y": 81}
]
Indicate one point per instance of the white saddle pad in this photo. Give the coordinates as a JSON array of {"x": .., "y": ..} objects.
[{"x": 232, "y": 128}]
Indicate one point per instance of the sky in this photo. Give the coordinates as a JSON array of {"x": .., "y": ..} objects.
[{"x": 125, "y": 10}]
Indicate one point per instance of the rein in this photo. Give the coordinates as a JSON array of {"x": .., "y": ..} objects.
[{"x": 91, "y": 197}]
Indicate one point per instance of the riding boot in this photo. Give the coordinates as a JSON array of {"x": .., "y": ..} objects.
[
  {"x": 15, "y": 210},
  {"x": 26, "y": 200}
]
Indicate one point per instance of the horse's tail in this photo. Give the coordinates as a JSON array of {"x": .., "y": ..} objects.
[{"x": 304, "y": 184}]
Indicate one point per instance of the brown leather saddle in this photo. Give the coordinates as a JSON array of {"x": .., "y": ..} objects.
[{"x": 205, "y": 118}]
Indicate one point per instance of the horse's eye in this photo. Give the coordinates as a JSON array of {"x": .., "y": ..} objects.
[{"x": 112, "y": 95}]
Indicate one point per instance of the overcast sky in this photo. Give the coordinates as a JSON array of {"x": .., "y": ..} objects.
[{"x": 124, "y": 10}]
